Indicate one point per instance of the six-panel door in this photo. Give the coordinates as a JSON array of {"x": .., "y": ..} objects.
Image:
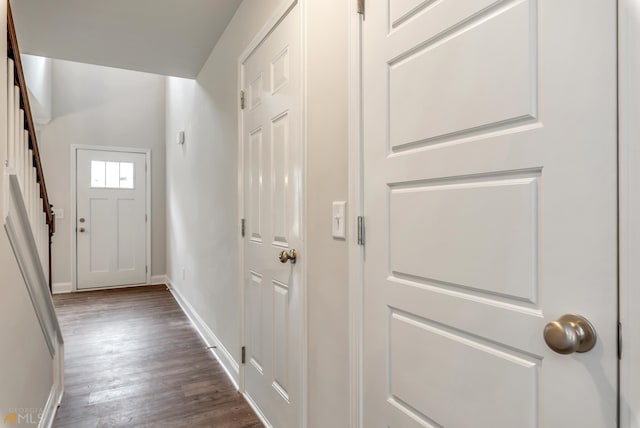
[{"x": 272, "y": 144}]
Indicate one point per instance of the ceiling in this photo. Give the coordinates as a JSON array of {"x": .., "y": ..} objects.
[{"x": 170, "y": 37}]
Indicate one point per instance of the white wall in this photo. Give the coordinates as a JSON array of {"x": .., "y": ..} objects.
[
  {"x": 102, "y": 106},
  {"x": 38, "y": 72},
  {"x": 327, "y": 181},
  {"x": 202, "y": 218},
  {"x": 26, "y": 367}
]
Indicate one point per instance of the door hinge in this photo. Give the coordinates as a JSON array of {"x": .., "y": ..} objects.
[
  {"x": 244, "y": 350},
  {"x": 360, "y": 7},
  {"x": 146, "y": 269},
  {"x": 242, "y": 225},
  {"x": 146, "y": 218},
  {"x": 241, "y": 100},
  {"x": 619, "y": 341},
  {"x": 360, "y": 230}
]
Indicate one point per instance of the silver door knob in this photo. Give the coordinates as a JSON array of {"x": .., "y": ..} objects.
[
  {"x": 570, "y": 333},
  {"x": 288, "y": 256}
]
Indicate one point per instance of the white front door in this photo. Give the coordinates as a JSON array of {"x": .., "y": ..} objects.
[
  {"x": 490, "y": 207},
  {"x": 111, "y": 218},
  {"x": 272, "y": 145}
]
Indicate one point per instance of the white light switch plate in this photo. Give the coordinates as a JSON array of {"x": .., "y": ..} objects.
[
  {"x": 339, "y": 219},
  {"x": 59, "y": 212}
]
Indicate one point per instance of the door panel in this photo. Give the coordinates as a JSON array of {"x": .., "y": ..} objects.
[
  {"x": 272, "y": 147},
  {"x": 111, "y": 225},
  {"x": 490, "y": 172}
]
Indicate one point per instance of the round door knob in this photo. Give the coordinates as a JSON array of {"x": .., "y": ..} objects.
[
  {"x": 570, "y": 333},
  {"x": 81, "y": 230},
  {"x": 288, "y": 256}
]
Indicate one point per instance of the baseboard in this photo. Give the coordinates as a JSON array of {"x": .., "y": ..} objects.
[
  {"x": 62, "y": 287},
  {"x": 51, "y": 407},
  {"x": 159, "y": 279},
  {"x": 67, "y": 287},
  {"x": 227, "y": 361},
  {"x": 257, "y": 411}
]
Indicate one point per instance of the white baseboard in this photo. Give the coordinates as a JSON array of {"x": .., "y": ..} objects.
[
  {"x": 67, "y": 287},
  {"x": 62, "y": 287},
  {"x": 159, "y": 279},
  {"x": 51, "y": 408},
  {"x": 257, "y": 411},
  {"x": 227, "y": 361}
]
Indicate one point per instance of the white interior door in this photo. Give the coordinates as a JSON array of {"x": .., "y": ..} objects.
[
  {"x": 490, "y": 202},
  {"x": 273, "y": 196},
  {"x": 111, "y": 218}
]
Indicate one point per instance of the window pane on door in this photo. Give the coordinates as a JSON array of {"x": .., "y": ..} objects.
[
  {"x": 97, "y": 174},
  {"x": 126, "y": 175},
  {"x": 113, "y": 174}
]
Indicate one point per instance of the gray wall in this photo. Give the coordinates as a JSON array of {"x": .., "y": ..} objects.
[
  {"x": 202, "y": 218},
  {"x": 102, "y": 106}
]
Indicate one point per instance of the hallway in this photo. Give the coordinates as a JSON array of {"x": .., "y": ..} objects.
[{"x": 133, "y": 359}]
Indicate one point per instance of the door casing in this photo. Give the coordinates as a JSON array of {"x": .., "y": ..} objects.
[
  {"x": 73, "y": 213},
  {"x": 273, "y": 21},
  {"x": 629, "y": 209},
  {"x": 628, "y": 212}
]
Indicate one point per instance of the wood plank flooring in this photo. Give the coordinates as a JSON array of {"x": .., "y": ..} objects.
[{"x": 133, "y": 359}]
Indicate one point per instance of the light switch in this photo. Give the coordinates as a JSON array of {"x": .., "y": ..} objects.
[
  {"x": 58, "y": 212},
  {"x": 339, "y": 219}
]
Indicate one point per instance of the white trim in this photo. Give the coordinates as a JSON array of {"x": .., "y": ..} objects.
[
  {"x": 224, "y": 357},
  {"x": 67, "y": 287},
  {"x": 270, "y": 25},
  {"x": 629, "y": 208},
  {"x": 257, "y": 411},
  {"x": 57, "y": 389},
  {"x": 356, "y": 204},
  {"x": 304, "y": 339},
  {"x": 159, "y": 280},
  {"x": 73, "y": 211},
  {"x": 62, "y": 288},
  {"x": 26, "y": 251}
]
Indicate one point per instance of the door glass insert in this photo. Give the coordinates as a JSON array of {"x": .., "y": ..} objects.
[
  {"x": 112, "y": 175},
  {"x": 126, "y": 175},
  {"x": 97, "y": 174}
]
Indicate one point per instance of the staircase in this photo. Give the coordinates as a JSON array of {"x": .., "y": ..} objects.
[
  {"x": 27, "y": 215},
  {"x": 23, "y": 157}
]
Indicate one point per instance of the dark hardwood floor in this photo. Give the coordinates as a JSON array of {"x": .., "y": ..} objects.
[{"x": 133, "y": 359}]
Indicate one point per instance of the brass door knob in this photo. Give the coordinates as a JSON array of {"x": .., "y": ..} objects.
[
  {"x": 288, "y": 256},
  {"x": 570, "y": 333},
  {"x": 81, "y": 230}
]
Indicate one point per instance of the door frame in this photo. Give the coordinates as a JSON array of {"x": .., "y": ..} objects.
[
  {"x": 74, "y": 214},
  {"x": 628, "y": 211},
  {"x": 262, "y": 34}
]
